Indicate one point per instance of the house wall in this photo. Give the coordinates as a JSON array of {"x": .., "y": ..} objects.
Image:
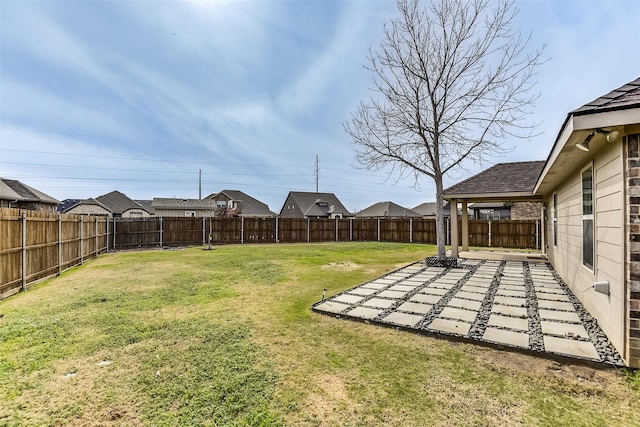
[
  {"x": 135, "y": 213},
  {"x": 633, "y": 252},
  {"x": 89, "y": 210},
  {"x": 291, "y": 209},
  {"x": 167, "y": 212},
  {"x": 609, "y": 239}
]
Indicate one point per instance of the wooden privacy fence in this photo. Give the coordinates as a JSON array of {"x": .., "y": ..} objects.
[
  {"x": 158, "y": 232},
  {"x": 35, "y": 245}
]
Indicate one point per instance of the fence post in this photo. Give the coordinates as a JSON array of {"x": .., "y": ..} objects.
[
  {"x": 410, "y": 230},
  {"x": 336, "y": 229},
  {"x": 537, "y": 234},
  {"x": 107, "y": 235},
  {"x": 81, "y": 239},
  {"x": 204, "y": 225},
  {"x": 277, "y": 232},
  {"x": 489, "y": 233},
  {"x": 95, "y": 247},
  {"x": 308, "y": 225},
  {"x": 59, "y": 244},
  {"x": 24, "y": 251},
  {"x": 114, "y": 233},
  {"x": 378, "y": 229},
  {"x": 161, "y": 231},
  {"x": 241, "y": 230},
  {"x": 350, "y": 229}
]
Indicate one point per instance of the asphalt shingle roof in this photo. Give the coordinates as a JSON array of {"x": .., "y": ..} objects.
[
  {"x": 626, "y": 96},
  {"x": 11, "y": 189},
  {"x": 515, "y": 177},
  {"x": 118, "y": 203},
  {"x": 309, "y": 204}
]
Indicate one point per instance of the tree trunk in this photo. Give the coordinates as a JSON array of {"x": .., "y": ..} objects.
[{"x": 441, "y": 237}]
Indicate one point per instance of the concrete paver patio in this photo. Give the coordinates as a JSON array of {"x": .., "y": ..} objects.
[{"x": 513, "y": 303}]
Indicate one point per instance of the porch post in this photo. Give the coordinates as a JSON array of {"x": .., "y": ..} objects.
[
  {"x": 454, "y": 227},
  {"x": 465, "y": 227}
]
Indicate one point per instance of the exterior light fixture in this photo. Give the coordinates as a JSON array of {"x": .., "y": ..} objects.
[
  {"x": 613, "y": 136},
  {"x": 610, "y": 135},
  {"x": 584, "y": 145}
]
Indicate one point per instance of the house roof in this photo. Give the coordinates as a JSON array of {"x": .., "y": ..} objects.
[
  {"x": 590, "y": 122},
  {"x": 146, "y": 204},
  {"x": 11, "y": 189},
  {"x": 429, "y": 208},
  {"x": 503, "y": 179},
  {"x": 313, "y": 204},
  {"x": 623, "y": 97},
  {"x": 118, "y": 203},
  {"x": 387, "y": 209},
  {"x": 249, "y": 206},
  {"x": 173, "y": 203},
  {"x": 67, "y": 204}
]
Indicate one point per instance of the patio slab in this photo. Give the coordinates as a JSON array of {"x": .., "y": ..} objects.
[{"x": 512, "y": 303}]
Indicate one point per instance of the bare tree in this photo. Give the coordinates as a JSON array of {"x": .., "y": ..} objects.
[{"x": 452, "y": 80}]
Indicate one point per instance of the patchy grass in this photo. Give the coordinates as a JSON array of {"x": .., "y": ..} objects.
[{"x": 227, "y": 337}]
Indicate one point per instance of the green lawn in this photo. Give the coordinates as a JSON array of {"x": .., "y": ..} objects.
[{"x": 227, "y": 337}]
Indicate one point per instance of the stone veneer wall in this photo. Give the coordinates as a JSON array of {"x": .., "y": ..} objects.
[
  {"x": 526, "y": 210},
  {"x": 633, "y": 249}
]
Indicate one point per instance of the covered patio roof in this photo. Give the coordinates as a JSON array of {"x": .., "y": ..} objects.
[
  {"x": 502, "y": 182},
  {"x": 513, "y": 182}
]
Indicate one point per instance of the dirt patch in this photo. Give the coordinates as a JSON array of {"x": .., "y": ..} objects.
[
  {"x": 343, "y": 265},
  {"x": 328, "y": 400},
  {"x": 540, "y": 367}
]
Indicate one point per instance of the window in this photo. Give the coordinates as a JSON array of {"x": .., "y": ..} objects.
[
  {"x": 555, "y": 219},
  {"x": 190, "y": 214},
  {"x": 221, "y": 203},
  {"x": 587, "y": 217}
]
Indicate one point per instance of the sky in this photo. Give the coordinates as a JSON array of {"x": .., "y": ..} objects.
[{"x": 164, "y": 98}]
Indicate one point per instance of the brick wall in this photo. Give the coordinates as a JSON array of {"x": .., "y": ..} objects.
[
  {"x": 633, "y": 252},
  {"x": 526, "y": 210}
]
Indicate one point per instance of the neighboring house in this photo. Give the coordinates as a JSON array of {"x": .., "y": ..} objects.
[
  {"x": 590, "y": 188},
  {"x": 15, "y": 194},
  {"x": 88, "y": 207},
  {"x": 428, "y": 210},
  {"x": 300, "y": 204},
  {"x": 66, "y": 204},
  {"x": 237, "y": 203},
  {"x": 171, "y": 207},
  {"x": 114, "y": 204},
  {"x": 387, "y": 210},
  {"x": 147, "y": 205}
]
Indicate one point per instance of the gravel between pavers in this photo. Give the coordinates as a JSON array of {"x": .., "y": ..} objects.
[{"x": 508, "y": 271}]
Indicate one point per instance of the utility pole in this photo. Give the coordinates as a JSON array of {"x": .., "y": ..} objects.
[
  {"x": 199, "y": 184},
  {"x": 317, "y": 174}
]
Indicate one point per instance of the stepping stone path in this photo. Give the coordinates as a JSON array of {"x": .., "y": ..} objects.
[{"x": 517, "y": 304}]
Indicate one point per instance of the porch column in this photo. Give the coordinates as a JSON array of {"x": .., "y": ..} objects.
[
  {"x": 454, "y": 227},
  {"x": 465, "y": 227},
  {"x": 543, "y": 226}
]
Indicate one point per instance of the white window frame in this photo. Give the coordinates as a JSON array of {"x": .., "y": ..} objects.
[
  {"x": 585, "y": 217},
  {"x": 189, "y": 214}
]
